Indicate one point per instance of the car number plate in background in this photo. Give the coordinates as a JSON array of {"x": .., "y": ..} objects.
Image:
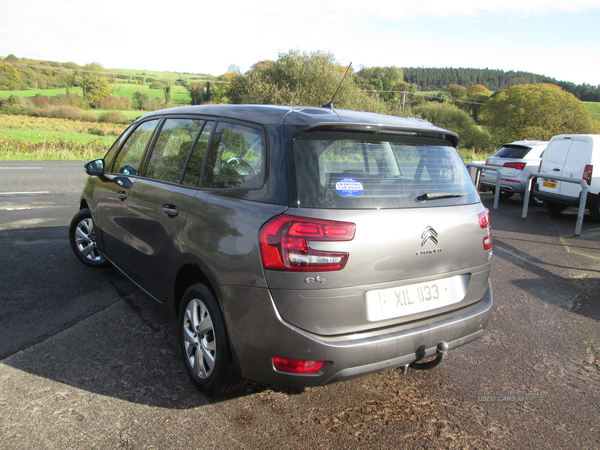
[
  {"x": 549, "y": 184},
  {"x": 401, "y": 301}
]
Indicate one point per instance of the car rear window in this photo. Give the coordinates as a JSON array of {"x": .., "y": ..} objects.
[
  {"x": 349, "y": 170},
  {"x": 513, "y": 151}
]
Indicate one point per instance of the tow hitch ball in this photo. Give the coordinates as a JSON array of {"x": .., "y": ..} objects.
[{"x": 442, "y": 350}]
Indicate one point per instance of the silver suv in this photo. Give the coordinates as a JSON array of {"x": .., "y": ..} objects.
[
  {"x": 516, "y": 161},
  {"x": 294, "y": 246}
]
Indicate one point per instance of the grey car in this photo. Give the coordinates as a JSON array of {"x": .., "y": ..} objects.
[{"x": 294, "y": 246}]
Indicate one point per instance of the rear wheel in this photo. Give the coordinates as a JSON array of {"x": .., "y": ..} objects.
[
  {"x": 595, "y": 210},
  {"x": 554, "y": 207},
  {"x": 82, "y": 238},
  {"x": 506, "y": 194},
  {"x": 204, "y": 343}
]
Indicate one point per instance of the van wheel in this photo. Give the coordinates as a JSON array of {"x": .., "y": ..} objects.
[
  {"x": 595, "y": 210},
  {"x": 82, "y": 238},
  {"x": 204, "y": 343},
  {"x": 553, "y": 207}
]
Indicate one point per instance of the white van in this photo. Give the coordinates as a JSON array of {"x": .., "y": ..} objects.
[{"x": 573, "y": 156}]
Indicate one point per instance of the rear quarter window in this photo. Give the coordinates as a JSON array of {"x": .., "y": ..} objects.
[{"x": 341, "y": 170}]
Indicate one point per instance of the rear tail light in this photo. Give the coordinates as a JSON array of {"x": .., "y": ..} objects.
[
  {"x": 296, "y": 365},
  {"x": 515, "y": 165},
  {"x": 587, "y": 174},
  {"x": 485, "y": 223},
  {"x": 285, "y": 244}
]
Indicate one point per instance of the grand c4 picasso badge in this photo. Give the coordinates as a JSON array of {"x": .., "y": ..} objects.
[{"x": 429, "y": 234}]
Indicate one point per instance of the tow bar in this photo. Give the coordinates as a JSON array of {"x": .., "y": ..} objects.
[{"x": 442, "y": 350}]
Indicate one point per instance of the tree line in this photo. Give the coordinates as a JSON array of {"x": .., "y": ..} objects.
[{"x": 429, "y": 79}]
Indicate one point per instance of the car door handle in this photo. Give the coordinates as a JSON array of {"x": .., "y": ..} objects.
[
  {"x": 170, "y": 210},
  {"x": 556, "y": 169},
  {"x": 122, "y": 195}
]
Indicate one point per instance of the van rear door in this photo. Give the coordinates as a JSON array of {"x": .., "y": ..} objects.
[
  {"x": 553, "y": 162},
  {"x": 580, "y": 154}
]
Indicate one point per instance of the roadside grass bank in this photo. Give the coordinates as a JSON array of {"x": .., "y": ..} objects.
[{"x": 25, "y": 138}]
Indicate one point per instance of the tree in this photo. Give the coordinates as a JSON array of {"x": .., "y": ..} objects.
[
  {"x": 140, "y": 100},
  {"x": 196, "y": 94},
  {"x": 168, "y": 93},
  {"x": 301, "y": 79},
  {"x": 449, "y": 116},
  {"x": 95, "y": 87},
  {"x": 9, "y": 77},
  {"x": 535, "y": 111},
  {"x": 479, "y": 89},
  {"x": 456, "y": 91},
  {"x": 382, "y": 79}
]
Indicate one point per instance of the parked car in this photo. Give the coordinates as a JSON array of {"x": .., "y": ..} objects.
[
  {"x": 294, "y": 246},
  {"x": 573, "y": 156},
  {"x": 516, "y": 161}
]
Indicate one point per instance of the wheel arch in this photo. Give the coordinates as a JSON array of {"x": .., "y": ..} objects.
[{"x": 189, "y": 274}]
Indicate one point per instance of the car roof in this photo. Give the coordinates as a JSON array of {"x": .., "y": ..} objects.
[{"x": 300, "y": 115}]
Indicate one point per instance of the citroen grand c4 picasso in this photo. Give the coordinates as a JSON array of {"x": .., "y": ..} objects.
[{"x": 295, "y": 246}]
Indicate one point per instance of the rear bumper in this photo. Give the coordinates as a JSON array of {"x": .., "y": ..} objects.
[
  {"x": 518, "y": 188},
  {"x": 258, "y": 333},
  {"x": 563, "y": 199}
]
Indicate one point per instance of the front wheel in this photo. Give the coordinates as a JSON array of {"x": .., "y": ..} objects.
[
  {"x": 82, "y": 237},
  {"x": 204, "y": 343}
]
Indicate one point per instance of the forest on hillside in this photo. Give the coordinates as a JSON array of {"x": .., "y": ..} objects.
[{"x": 428, "y": 79}]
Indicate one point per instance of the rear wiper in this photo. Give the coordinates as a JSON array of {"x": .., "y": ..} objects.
[{"x": 435, "y": 196}]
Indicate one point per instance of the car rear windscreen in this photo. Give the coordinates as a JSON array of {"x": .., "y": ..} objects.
[
  {"x": 513, "y": 151},
  {"x": 353, "y": 170}
]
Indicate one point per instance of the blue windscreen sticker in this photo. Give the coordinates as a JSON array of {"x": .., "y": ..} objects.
[{"x": 349, "y": 187}]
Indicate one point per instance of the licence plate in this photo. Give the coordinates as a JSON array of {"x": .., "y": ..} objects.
[
  {"x": 549, "y": 184},
  {"x": 401, "y": 301}
]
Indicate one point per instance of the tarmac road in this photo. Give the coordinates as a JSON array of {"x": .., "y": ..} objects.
[{"x": 87, "y": 362}]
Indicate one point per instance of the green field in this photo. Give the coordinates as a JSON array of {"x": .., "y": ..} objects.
[
  {"x": 179, "y": 95},
  {"x": 165, "y": 75},
  {"x": 42, "y": 92},
  {"x": 594, "y": 108}
]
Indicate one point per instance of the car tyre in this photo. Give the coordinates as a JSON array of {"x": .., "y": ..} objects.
[
  {"x": 204, "y": 343},
  {"x": 595, "y": 210},
  {"x": 554, "y": 207},
  {"x": 82, "y": 238},
  {"x": 506, "y": 194}
]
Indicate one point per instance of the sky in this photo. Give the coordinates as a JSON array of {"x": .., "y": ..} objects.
[{"x": 556, "y": 38}]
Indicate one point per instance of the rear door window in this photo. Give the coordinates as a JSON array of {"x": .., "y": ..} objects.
[
  {"x": 355, "y": 170},
  {"x": 236, "y": 159}
]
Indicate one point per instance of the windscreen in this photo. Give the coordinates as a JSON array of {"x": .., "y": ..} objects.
[{"x": 349, "y": 170}]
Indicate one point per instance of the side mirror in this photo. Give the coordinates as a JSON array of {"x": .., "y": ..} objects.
[{"x": 95, "y": 167}]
